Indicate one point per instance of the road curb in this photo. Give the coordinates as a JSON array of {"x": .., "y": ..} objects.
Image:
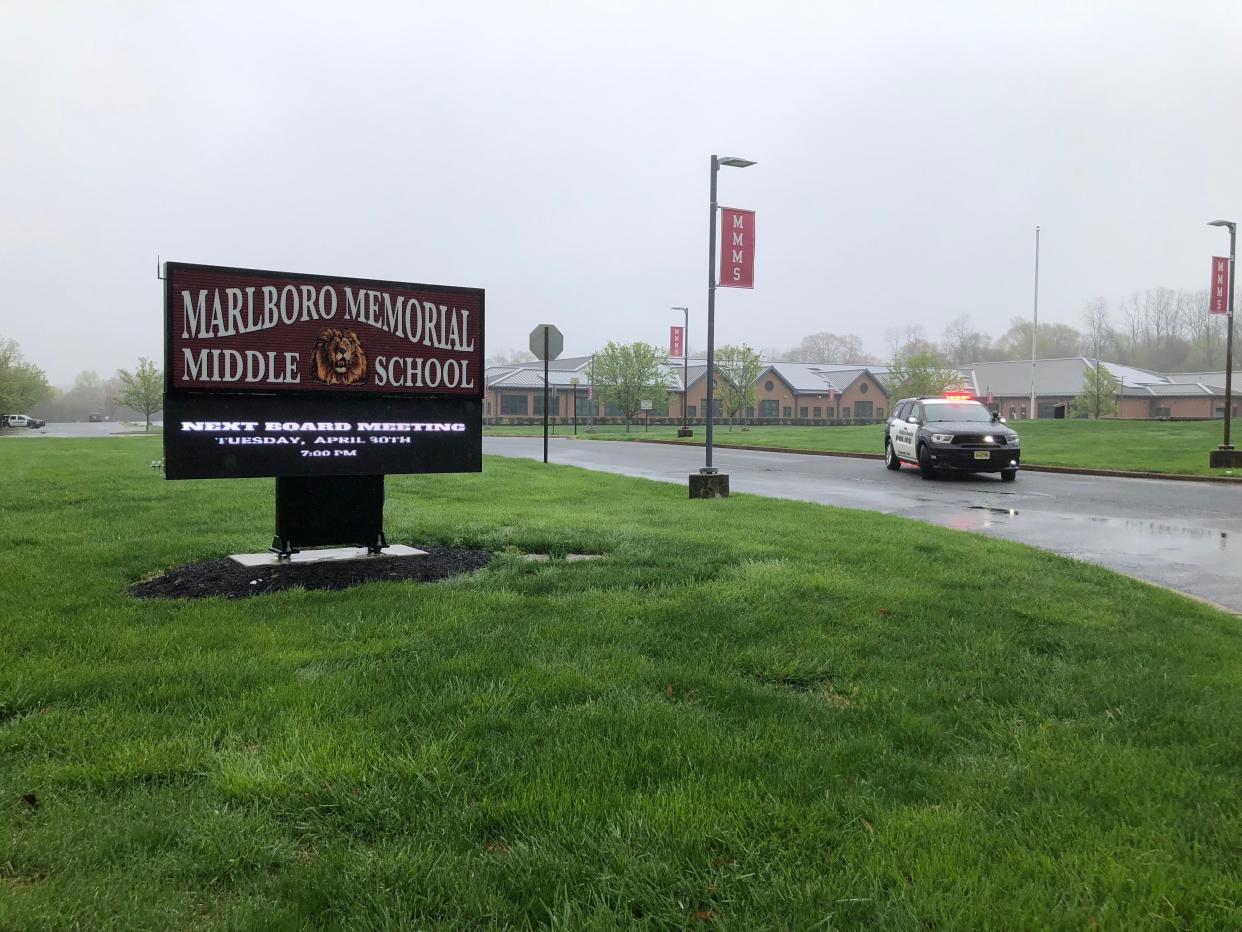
[{"x": 1067, "y": 470}]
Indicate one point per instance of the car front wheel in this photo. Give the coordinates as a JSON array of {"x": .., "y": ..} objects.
[
  {"x": 926, "y": 469},
  {"x": 890, "y": 456}
]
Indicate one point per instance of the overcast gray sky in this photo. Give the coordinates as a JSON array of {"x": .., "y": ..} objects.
[{"x": 556, "y": 154}]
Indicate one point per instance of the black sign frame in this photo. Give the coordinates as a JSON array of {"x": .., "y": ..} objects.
[{"x": 410, "y": 432}]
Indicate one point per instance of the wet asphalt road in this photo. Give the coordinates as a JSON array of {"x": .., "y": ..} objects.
[{"x": 1184, "y": 535}]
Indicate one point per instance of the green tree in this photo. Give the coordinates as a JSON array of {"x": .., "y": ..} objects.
[
  {"x": 22, "y": 384},
  {"x": 626, "y": 374},
  {"x": 828, "y": 348},
  {"x": 1098, "y": 397},
  {"x": 920, "y": 373},
  {"x": 740, "y": 366},
  {"x": 142, "y": 389},
  {"x": 1054, "y": 341},
  {"x": 963, "y": 343}
]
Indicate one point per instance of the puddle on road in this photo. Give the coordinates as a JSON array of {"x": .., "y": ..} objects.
[
  {"x": 1157, "y": 529},
  {"x": 1005, "y": 512},
  {"x": 1134, "y": 530}
]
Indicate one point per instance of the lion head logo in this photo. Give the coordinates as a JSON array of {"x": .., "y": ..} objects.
[{"x": 339, "y": 359}]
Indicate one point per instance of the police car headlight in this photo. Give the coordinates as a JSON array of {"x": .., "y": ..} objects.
[
  {"x": 1013, "y": 439},
  {"x": 942, "y": 438}
]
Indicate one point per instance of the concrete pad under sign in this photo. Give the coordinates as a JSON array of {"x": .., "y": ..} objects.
[{"x": 330, "y": 554}]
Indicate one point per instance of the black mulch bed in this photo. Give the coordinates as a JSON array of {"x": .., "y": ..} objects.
[{"x": 231, "y": 580}]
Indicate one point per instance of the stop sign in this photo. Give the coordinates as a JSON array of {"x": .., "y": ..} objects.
[{"x": 556, "y": 342}]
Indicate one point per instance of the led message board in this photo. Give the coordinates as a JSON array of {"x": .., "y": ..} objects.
[{"x": 284, "y": 374}]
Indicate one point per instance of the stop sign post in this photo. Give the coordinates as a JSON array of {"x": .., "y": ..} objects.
[{"x": 546, "y": 342}]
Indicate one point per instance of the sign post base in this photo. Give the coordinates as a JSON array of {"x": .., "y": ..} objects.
[
  {"x": 1225, "y": 458},
  {"x": 709, "y": 485},
  {"x": 314, "y": 511}
]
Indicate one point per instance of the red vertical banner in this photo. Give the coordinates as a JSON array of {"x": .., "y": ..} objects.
[
  {"x": 1218, "y": 294},
  {"x": 677, "y": 341},
  {"x": 737, "y": 248}
]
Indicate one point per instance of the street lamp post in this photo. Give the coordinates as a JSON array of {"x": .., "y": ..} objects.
[
  {"x": 591, "y": 398},
  {"x": 1225, "y": 454},
  {"x": 708, "y": 488},
  {"x": 685, "y": 370},
  {"x": 574, "y": 383},
  {"x": 1034, "y": 327}
]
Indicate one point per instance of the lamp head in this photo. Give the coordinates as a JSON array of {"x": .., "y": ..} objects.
[
  {"x": 1222, "y": 223},
  {"x": 734, "y": 162},
  {"x": 679, "y": 308}
]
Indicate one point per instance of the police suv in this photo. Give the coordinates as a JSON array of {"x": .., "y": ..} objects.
[{"x": 951, "y": 431}]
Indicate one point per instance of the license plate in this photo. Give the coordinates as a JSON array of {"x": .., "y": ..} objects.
[{"x": 982, "y": 455}]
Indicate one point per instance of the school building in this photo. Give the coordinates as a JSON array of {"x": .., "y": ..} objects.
[
  {"x": 1141, "y": 394},
  {"x": 810, "y": 393},
  {"x": 784, "y": 393}
]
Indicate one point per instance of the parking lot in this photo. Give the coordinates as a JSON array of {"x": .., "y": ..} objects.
[{"x": 79, "y": 429}]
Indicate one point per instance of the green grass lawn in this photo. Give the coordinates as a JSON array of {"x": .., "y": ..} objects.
[
  {"x": 1179, "y": 447},
  {"x": 752, "y": 714}
]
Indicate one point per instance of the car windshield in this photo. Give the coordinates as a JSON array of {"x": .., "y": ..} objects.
[{"x": 955, "y": 411}]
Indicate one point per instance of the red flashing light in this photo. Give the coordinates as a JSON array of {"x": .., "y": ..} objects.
[{"x": 958, "y": 396}]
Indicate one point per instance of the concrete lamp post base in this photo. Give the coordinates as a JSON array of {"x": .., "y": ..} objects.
[
  {"x": 709, "y": 485},
  {"x": 685, "y": 432},
  {"x": 1222, "y": 458}
]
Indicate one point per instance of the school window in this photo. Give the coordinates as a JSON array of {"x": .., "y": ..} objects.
[
  {"x": 554, "y": 405},
  {"x": 832, "y": 411},
  {"x": 862, "y": 409},
  {"x": 788, "y": 411},
  {"x": 863, "y": 388},
  {"x": 879, "y": 412},
  {"x": 767, "y": 408},
  {"x": 845, "y": 412},
  {"x": 583, "y": 404},
  {"x": 802, "y": 412},
  {"x": 513, "y": 405},
  {"x": 717, "y": 407},
  {"x": 692, "y": 411},
  {"x": 750, "y": 412},
  {"x": 612, "y": 410},
  {"x": 818, "y": 412}
]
